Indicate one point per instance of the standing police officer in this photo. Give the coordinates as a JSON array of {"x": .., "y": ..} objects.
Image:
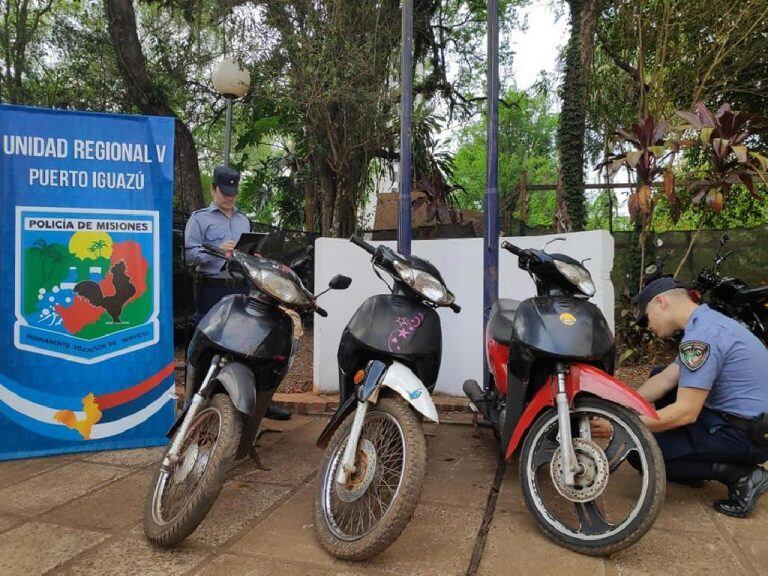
[
  {"x": 712, "y": 401},
  {"x": 221, "y": 225}
]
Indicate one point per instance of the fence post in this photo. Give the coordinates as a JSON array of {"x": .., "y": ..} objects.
[{"x": 522, "y": 200}]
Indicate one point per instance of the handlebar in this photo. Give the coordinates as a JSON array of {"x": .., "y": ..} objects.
[
  {"x": 455, "y": 307},
  {"x": 321, "y": 311},
  {"x": 363, "y": 244},
  {"x": 512, "y": 248}
]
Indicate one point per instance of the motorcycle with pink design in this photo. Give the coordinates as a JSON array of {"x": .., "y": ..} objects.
[{"x": 389, "y": 357}]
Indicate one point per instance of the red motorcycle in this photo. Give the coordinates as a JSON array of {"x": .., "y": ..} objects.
[{"x": 551, "y": 358}]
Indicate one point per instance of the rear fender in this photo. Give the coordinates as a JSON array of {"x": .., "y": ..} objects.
[{"x": 581, "y": 378}]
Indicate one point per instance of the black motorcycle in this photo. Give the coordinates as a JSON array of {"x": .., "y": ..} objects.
[
  {"x": 239, "y": 353},
  {"x": 728, "y": 295},
  {"x": 732, "y": 297},
  {"x": 389, "y": 358}
]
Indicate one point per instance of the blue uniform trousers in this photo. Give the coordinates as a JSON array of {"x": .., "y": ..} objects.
[{"x": 690, "y": 451}]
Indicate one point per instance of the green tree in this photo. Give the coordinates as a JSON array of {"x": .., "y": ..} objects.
[{"x": 526, "y": 142}]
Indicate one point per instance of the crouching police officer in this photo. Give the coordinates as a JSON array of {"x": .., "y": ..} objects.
[
  {"x": 712, "y": 401},
  {"x": 221, "y": 225}
]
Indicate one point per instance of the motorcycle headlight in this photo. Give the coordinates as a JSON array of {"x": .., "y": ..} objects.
[
  {"x": 424, "y": 283},
  {"x": 577, "y": 275},
  {"x": 278, "y": 286}
]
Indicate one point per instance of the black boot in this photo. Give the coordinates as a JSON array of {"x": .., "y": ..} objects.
[
  {"x": 274, "y": 412},
  {"x": 745, "y": 485}
]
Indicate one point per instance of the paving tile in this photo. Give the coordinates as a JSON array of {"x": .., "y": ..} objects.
[
  {"x": 12, "y": 471},
  {"x": 756, "y": 549},
  {"x": 516, "y": 545},
  {"x": 458, "y": 482},
  {"x": 458, "y": 441},
  {"x": 684, "y": 511},
  {"x": 35, "y": 547},
  {"x": 123, "y": 499},
  {"x": 238, "y": 504},
  {"x": 133, "y": 457},
  {"x": 663, "y": 552},
  {"x": 510, "y": 494},
  {"x": 125, "y": 555},
  {"x": 53, "y": 488},
  {"x": 286, "y": 534},
  {"x": 438, "y": 540},
  {"x": 227, "y": 564},
  {"x": 8, "y": 521},
  {"x": 291, "y": 458}
]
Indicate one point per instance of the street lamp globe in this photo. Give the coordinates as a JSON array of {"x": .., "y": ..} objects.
[{"x": 230, "y": 79}]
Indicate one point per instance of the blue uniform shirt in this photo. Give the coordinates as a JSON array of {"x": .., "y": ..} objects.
[
  {"x": 720, "y": 355},
  {"x": 211, "y": 226}
]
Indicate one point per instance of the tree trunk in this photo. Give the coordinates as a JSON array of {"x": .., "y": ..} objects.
[
  {"x": 121, "y": 25},
  {"x": 570, "y": 132},
  {"x": 588, "y": 30},
  {"x": 309, "y": 206}
]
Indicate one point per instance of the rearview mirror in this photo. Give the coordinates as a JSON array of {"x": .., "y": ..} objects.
[
  {"x": 724, "y": 239},
  {"x": 659, "y": 242},
  {"x": 339, "y": 282}
]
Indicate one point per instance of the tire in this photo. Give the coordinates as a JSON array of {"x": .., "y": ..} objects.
[
  {"x": 164, "y": 532},
  {"x": 401, "y": 506},
  {"x": 652, "y": 483}
]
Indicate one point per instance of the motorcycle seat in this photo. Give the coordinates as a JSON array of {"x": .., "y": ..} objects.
[
  {"x": 501, "y": 319},
  {"x": 751, "y": 295}
]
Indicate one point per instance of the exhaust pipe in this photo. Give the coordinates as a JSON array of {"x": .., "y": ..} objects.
[{"x": 478, "y": 401}]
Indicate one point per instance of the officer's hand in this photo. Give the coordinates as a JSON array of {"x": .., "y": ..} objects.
[
  {"x": 600, "y": 428},
  {"x": 228, "y": 246}
]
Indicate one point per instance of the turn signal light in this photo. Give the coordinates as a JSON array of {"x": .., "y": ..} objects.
[{"x": 359, "y": 377}]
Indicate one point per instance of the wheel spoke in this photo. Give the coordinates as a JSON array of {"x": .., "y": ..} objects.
[
  {"x": 618, "y": 448},
  {"x": 591, "y": 519},
  {"x": 543, "y": 453}
]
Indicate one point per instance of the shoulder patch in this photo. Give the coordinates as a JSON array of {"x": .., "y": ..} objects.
[{"x": 694, "y": 354}]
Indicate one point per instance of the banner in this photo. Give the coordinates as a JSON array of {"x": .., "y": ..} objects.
[{"x": 86, "y": 313}]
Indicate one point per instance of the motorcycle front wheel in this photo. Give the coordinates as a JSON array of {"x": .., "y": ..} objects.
[
  {"x": 360, "y": 519},
  {"x": 180, "y": 498},
  {"x": 616, "y": 495}
]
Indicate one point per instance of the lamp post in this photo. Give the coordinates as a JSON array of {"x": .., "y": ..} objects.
[{"x": 232, "y": 82}]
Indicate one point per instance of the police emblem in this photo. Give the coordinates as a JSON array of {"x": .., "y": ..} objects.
[
  {"x": 567, "y": 318},
  {"x": 694, "y": 353}
]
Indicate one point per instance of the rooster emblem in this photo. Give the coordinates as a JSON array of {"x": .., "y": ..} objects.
[
  {"x": 113, "y": 304},
  {"x": 84, "y": 426}
]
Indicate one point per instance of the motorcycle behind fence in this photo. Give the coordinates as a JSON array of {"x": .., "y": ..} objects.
[
  {"x": 726, "y": 294},
  {"x": 550, "y": 359},
  {"x": 240, "y": 351},
  {"x": 389, "y": 357}
]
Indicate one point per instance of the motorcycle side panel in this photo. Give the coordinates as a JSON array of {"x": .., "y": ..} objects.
[
  {"x": 559, "y": 327},
  {"x": 391, "y": 326}
]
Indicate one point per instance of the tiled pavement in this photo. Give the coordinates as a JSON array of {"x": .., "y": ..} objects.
[{"x": 81, "y": 515}]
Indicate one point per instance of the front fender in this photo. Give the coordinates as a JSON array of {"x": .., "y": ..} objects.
[
  {"x": 240, "y": 383},
  {"x": 402, "y": 380},
  {"x": 580, "y": 378}
]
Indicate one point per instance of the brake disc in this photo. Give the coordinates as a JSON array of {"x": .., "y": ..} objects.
[
  {"x": 592, "y": 479},
  {"x": 358, "y": 483}
]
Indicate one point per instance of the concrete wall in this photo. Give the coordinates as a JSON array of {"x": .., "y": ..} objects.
[{"x": 460, "y": 262}]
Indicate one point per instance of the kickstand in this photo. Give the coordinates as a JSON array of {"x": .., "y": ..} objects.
[{"x": 254, "y": 451}]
